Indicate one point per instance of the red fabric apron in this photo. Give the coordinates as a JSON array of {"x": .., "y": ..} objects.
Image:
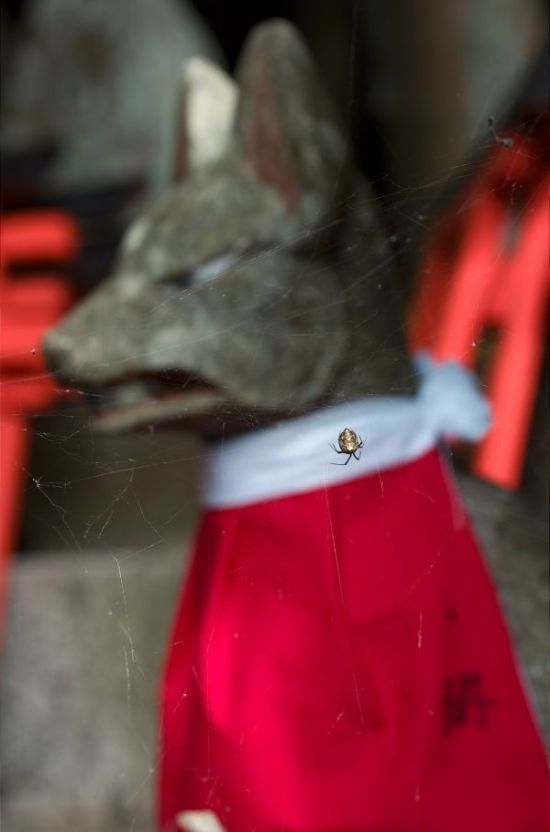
[{"x": 339, "y": 663}]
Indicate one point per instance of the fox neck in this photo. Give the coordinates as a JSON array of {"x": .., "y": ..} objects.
[{"x": 377, "y": 362}]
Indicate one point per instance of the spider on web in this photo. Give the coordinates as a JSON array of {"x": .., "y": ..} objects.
[{"x": 350, "y": 443}]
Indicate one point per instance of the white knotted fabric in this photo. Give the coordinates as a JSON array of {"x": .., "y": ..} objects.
[{"x": 295, "y": 455}]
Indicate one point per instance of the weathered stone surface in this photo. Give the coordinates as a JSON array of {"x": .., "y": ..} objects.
[
  {"x": 80, "y": 674},
  {"x": 515, "y": 540},
  {"x": 101, "y": 80}
]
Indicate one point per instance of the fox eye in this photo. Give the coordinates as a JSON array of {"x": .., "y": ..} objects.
[
  {"x": 181, "y": 280},
  {"x": 209, "y": 270}
]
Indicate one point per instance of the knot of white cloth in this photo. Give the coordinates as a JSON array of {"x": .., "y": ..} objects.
[
  {"x": 300, "y": 455},
  {"x": 449, "y": 395}
]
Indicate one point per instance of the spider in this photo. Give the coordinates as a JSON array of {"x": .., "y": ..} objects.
[{"x": 350, "y": 443}]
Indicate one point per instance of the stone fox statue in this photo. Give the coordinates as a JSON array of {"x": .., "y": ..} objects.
[{"x": 338, "y": 660}]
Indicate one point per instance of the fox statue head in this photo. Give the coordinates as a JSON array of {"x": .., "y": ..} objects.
[{"x": 256, "y": 287}]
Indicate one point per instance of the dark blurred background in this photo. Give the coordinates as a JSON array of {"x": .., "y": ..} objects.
[{"x": 89, "y": 94}]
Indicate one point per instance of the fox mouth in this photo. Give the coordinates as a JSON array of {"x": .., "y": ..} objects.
[{"x": 151, "y": 399}]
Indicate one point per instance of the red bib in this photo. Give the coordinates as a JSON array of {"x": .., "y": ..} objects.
[{"x": 339, "y": 663}]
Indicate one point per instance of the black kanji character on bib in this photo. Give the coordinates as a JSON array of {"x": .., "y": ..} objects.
[{"x": 463, "y": 702}]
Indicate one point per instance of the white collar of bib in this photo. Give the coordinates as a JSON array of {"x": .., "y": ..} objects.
[{"x": 295, "y": 455}]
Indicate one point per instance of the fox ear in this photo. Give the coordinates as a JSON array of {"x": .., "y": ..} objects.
[
  {"x": 205, "y": 121},
  {"x": 285, "y": 125}
]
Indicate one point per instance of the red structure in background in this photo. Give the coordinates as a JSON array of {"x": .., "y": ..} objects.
[
  {"x": 487, "y": 270},
  {"x": 30, "y": 303}
]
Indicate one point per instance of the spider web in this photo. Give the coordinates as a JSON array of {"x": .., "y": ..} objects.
[{"x": 106, "y": 533}]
